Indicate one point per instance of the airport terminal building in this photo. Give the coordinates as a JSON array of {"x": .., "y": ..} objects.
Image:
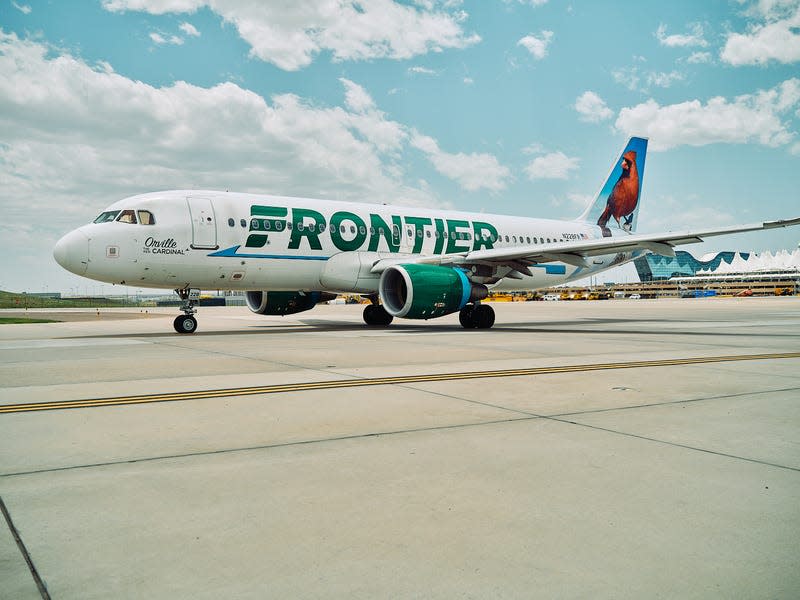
[{"x": 729, "y": 272}]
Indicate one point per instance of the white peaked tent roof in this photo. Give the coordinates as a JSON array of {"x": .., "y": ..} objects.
[{"x": 782, "y": 260}]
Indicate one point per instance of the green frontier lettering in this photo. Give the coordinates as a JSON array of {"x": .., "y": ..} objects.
[
  {"x": 338, "y": 231},
  {"x": 419, "y": 231},
  {"x": 481, "y": 240},
  {"x": 258, "y": 240},
  {"x": 301, "y": 229},
  {"x": 380, "y": 229},
  {"x": 348, "y": 231}
]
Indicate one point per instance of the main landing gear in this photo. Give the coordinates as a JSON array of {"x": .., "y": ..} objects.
[
  {"x": 186, "y": 323},
  {"x": 476, "y": 316},
  {"x": 375, "y": 314}
]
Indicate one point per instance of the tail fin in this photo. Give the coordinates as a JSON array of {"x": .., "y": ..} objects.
[{"x": 616, "y": 205}]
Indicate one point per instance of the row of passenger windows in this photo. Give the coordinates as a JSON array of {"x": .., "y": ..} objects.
[
  {"x": 266, "y": 225},
  {"x": 145, "y": 217},
  {"x": 142, "y": 217}
]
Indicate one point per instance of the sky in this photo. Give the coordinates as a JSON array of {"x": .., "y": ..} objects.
[{"x": 506, "y": 106}]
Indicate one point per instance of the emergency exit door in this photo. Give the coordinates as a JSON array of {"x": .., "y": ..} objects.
[{"x": 204, "y": 224}]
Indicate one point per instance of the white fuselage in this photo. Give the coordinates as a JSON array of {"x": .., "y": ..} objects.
[{"x": 233, "y": 241}]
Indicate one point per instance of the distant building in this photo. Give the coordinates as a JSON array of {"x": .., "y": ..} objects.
[
  {"x": 731, "y": 273},
  {"x": 653, "y": 267}
]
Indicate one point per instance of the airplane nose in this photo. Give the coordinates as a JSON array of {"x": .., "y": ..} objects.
[{"x": 72, "y": 252}]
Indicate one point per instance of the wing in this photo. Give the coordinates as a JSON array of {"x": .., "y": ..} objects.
[{"x": 575, "y": 253}]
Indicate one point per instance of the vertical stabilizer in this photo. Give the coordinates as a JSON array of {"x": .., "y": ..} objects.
[{"x": 616, "y": 206}]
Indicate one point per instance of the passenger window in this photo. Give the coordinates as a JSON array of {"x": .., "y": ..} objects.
[
  {"x": 243, "y": 223},
  {"x": 428, "y": 234},
  {"x": 126, "y": 216},
  {"x": 231, "y": 222},
  {"x": 527, "y": 239}
]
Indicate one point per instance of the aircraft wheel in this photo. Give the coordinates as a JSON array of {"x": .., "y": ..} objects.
[
  {"x": 466, "y": 316},
  {"x": 185, "y": 324},
  {"x": 375, "y": 314},
  {"x": 483, "y": 316}
]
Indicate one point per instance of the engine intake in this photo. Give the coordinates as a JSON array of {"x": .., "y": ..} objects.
[
  {"x": 284, "y": 303},
  {"x": 426, "y": 291}
]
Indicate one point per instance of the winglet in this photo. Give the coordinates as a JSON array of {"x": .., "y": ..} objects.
[{"x": 781, "y": 223}]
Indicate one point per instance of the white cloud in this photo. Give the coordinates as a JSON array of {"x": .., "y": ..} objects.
[
  {"x": 471, "y": 171},
  {"x": 592, "y": 108},
  {"x": 189, "y": 29},
  {"x": 636, "y": 79},
  {"x": 420, "y": 71},
  {"x": 752, "y": 118},
  {"x": 533, "y": 3},
  {"x": 627, "y": 76},
  {"x": 664, "y": 80},
  {"x": 161, "y": 40},
  {"x": 693, "y": 38},
  {"x": 698, "y": 58},
  {"x": 777, "y": 40},
  {"x": 555, "y": 165},
  {"x": 75, "y": 138},
  {"x": 537, "y": 46},
  {"x": 468, "y": 80},
  {"x": 356, "y": 97},
  {"x": 23, "y": 8},
  {"x": 290, "y": 34}
]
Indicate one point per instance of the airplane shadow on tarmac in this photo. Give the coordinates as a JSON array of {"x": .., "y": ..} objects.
[{"x": 584, "y": 326}]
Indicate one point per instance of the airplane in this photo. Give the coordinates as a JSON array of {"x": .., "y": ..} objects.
[{"x": 289, "y": 254}]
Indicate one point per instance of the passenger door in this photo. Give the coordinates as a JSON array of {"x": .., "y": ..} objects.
[{"x": 204, "y": 223}]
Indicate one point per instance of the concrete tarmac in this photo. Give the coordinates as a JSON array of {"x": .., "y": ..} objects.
[{"x": 624, "y": 481}]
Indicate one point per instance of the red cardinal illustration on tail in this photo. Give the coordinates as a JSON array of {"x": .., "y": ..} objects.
[{"x": 623, "y": 198}]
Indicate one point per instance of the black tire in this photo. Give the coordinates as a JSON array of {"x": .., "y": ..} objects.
[
  {"x": 483, "y": 316},
  {"x": 466, "y": 316},
  {"x": 185, "y": 324},
  {"x": 376, "y": 315},
  {"x": 384, "y": 318},
  {"x": 369, "y": 314}
]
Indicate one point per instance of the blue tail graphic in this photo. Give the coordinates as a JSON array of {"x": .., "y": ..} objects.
[{"x": 617, "y": 203}]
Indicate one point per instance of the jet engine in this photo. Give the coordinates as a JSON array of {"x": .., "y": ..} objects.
[
  {"x": 284, "y": 303},
  {"x": 427, "y": 291}
]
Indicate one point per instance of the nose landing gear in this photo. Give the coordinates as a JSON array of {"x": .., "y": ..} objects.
[{"x": 186, "y": 323}]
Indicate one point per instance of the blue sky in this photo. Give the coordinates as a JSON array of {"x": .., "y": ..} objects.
[{"x": 510, "y": 106}]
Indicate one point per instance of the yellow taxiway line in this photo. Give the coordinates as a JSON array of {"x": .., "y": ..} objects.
[{"x": 400, "y": 379}]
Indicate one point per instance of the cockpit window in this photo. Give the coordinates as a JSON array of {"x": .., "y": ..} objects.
[
  {"x": 127, "y": 216},
  {"x": 146, "y": 217},
  {"x": 107, "y": 216}
]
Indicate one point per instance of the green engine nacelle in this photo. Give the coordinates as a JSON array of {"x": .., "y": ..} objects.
[
  {"x": 426, "y": 291},
  {"x": 284, "y": 303}
]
